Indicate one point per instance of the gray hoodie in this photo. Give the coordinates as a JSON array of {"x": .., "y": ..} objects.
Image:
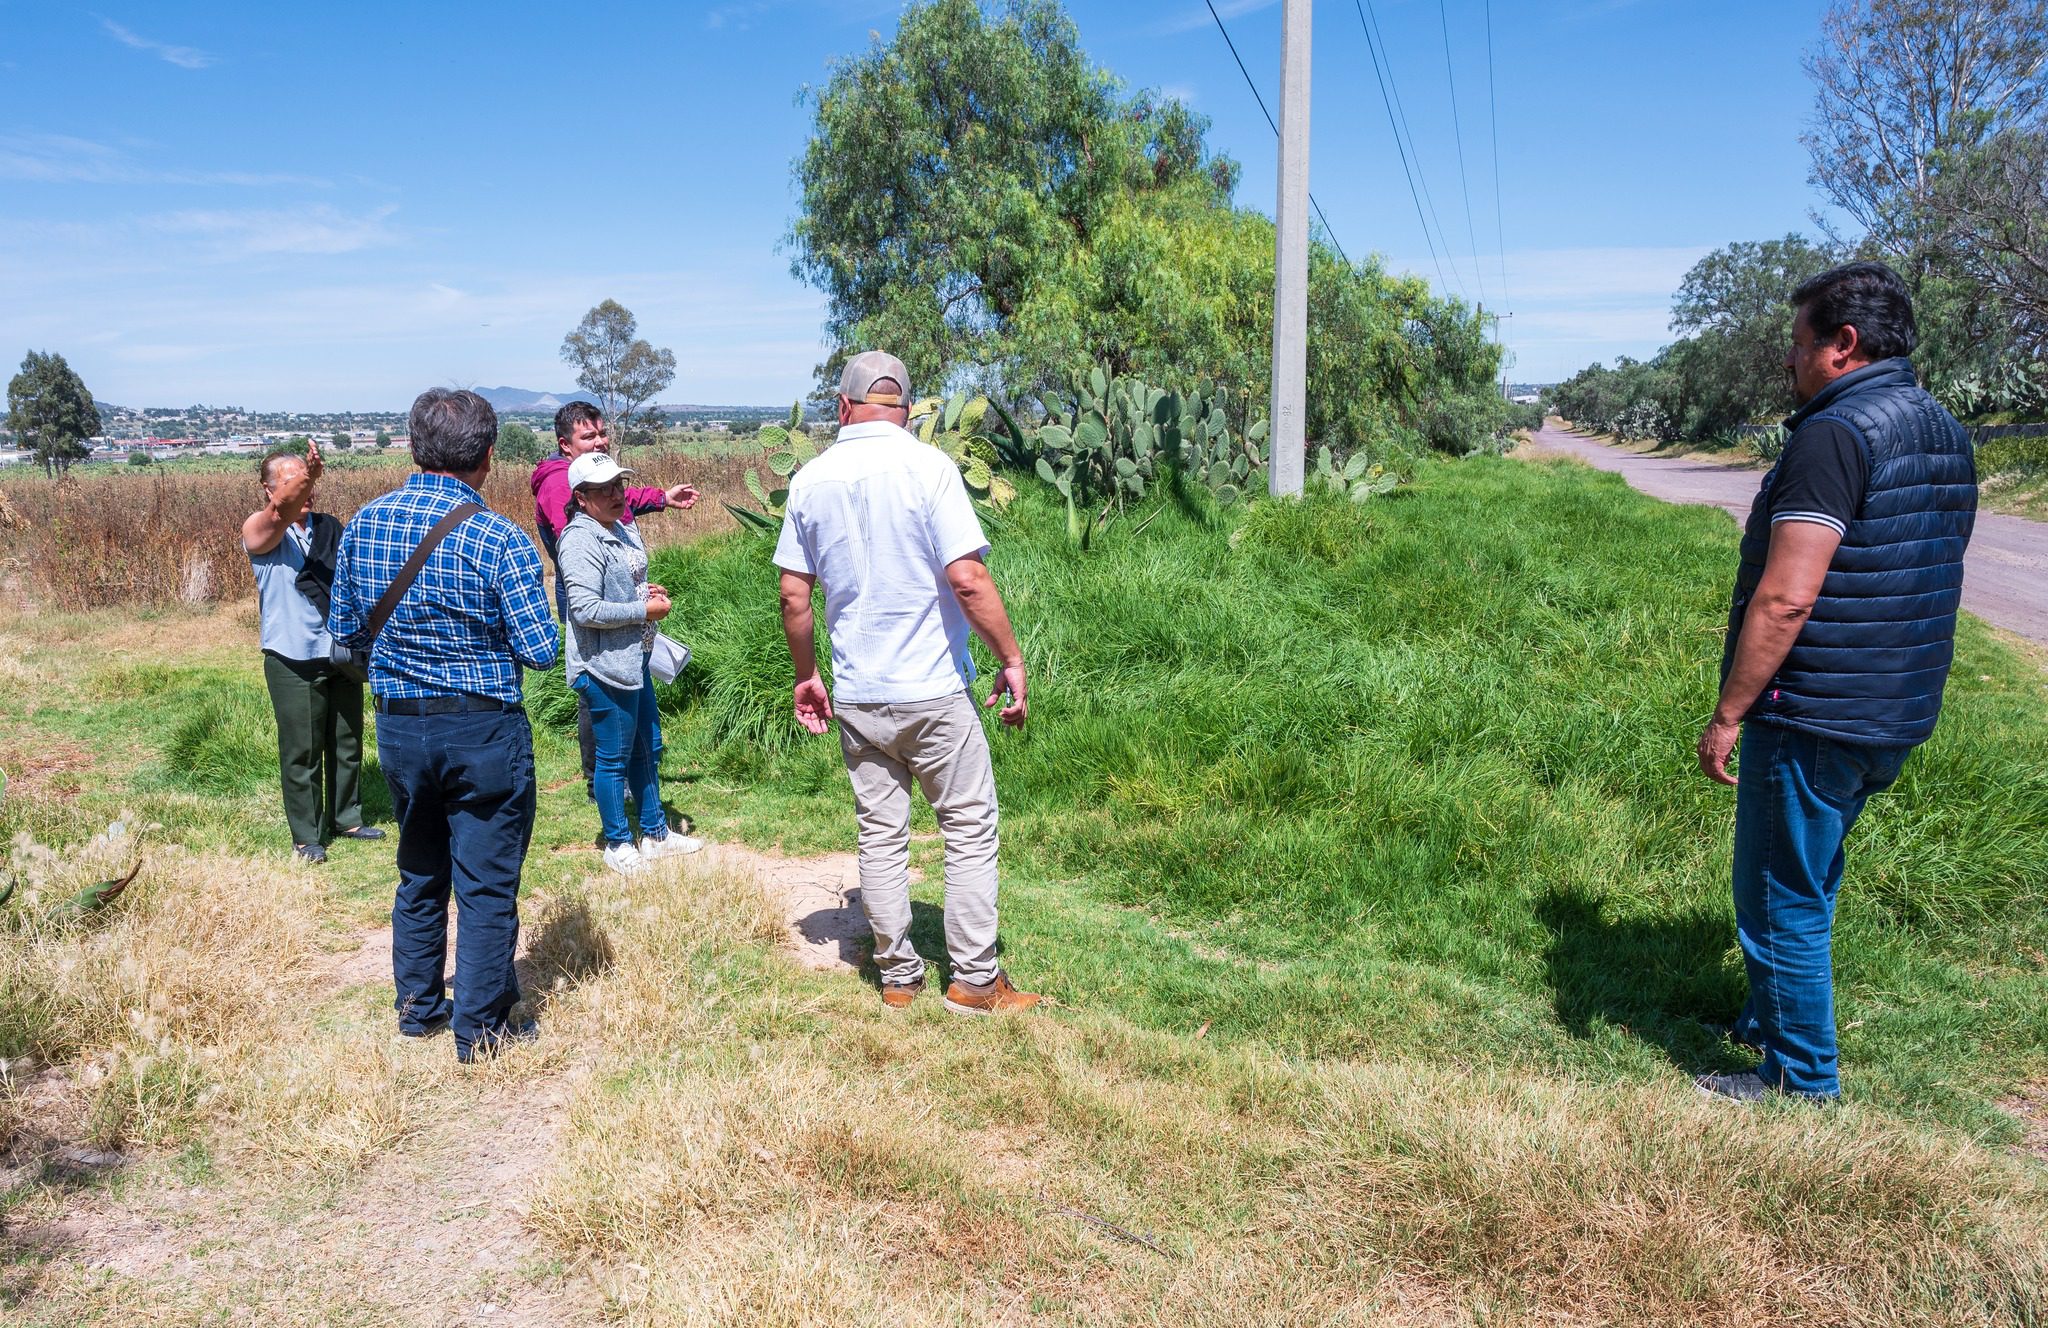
[{"x": 604, "y": 573}]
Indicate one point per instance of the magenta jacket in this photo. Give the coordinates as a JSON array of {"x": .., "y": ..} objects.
[{"x": 551, "y": 494}]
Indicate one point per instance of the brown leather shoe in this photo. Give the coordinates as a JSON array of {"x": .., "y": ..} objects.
[
  {"x": 997, "y": 997},
  {"x": 898, "y": 996}
]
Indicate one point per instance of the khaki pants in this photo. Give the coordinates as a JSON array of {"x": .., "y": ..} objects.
[{"x": 941, "y": 744}]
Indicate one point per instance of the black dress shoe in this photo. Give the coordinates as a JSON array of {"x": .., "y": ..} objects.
[
  {"x": 310, "y": 852},
  {"x": 362, "y": 832},
  {"x": 491, "y": 1043},
  {"x": 426, "y": 1030}
]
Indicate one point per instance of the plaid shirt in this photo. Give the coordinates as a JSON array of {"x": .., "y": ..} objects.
[{"x": 476, "y": 613}]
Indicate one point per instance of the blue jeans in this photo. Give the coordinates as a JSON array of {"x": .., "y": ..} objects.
[
  {"x": 1799, "y": 795},
  {"x": 628, "y": 731},
  {"x": 462, "y": 792}
]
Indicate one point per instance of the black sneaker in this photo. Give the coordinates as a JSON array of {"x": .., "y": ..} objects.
[
  {"x": 1749, "y": 1086},
  {"x": 310, "y": 852},
  {"x": 426, "y": 1030},
  {"x": 490, "y": 1044},
  {"x": 362, "y": 832}
]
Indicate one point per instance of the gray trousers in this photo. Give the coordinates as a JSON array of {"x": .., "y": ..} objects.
[{"x": 940, "y": 743}]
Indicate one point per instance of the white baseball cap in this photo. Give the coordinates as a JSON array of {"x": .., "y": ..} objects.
[{"x": 594, "y": 468}]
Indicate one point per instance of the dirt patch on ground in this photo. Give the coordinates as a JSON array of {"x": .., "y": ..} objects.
[
  {"x": 52, "y": 767},
  {"x": 2029, "y": 1107},
  {"x": 820, "y": 901},
  {"x": 431, "y": 1232}
]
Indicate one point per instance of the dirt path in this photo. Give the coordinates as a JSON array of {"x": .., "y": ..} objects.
[
  {"x": 2005, "y": 580},
  {"x": 430, "y": 1230}
]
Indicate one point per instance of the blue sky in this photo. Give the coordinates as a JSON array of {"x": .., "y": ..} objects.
[{"x": 332, "y": 207}]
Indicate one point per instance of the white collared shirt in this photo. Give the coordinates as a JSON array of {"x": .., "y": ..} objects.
[{"x": 876, "y": 518}]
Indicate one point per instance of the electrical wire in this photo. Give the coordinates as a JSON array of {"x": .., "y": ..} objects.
[
  {"x": 1458, "y": 136},
  {"x": 1401, "y": 148},
  {"x": 1493, "y": 114},
  {"x": 1273, "y": 125},
  {"x": 1393, "y": 86}
]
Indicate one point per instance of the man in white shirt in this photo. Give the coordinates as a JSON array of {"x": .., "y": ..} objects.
[{"x": 885, "y": 522}]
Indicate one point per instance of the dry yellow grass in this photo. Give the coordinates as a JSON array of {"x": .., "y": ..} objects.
[
  {"x": 162, "y": 537},
  {"x": 763, "y": 1146},
  {"x": 709, "y": 1134}
]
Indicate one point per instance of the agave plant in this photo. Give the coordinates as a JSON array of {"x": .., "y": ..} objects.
[
  {"x": 956, "y": 425},
  {"x": 785, "y": 447}
]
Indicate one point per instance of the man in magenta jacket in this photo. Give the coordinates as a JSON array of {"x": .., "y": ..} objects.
[{"x": 579, "y": 428}]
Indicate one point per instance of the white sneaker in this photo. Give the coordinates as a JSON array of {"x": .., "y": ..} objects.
[
  {"x": 671, "y": 845},
  {"x": 624, "y": 859}
]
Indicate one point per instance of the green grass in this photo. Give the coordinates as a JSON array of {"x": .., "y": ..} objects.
[
  {"x": 1409, "y": 779},
  {"x": 1415, "y": 778}
]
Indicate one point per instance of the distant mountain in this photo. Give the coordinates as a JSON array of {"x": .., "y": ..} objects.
[{"x": 523, "y": 399}]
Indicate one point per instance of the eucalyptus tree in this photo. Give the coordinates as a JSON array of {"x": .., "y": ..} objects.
[{"x": 50, "y": 411}]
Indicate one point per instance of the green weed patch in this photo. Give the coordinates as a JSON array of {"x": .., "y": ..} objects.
[{"x": 1423, "y": 769}]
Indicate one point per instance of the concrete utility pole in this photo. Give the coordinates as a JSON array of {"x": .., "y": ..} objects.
[{"x": 1290, "y": 260}]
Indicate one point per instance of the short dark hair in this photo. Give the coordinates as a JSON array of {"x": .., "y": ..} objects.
[
  {"x": 1869, "y": 297},
  {"x": 275, "y": 455},
  {"x": 573, "y": 414},
  {"x": 451, "y": 430}
]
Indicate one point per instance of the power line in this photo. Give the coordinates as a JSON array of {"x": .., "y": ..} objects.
[
  {"x": 1401, "y": 148},
  {"x": 1493, "y": 114},
  {"x": 1458, "y": 134},
  {"x": 1272, "y": 124},
  {"x": 1421, "y": 177}
]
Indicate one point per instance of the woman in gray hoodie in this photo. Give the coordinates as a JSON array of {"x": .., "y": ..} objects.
[{"x": 612, "y": 609}]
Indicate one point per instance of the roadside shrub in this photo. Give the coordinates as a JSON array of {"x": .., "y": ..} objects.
[
  {"x": 2012, "y": 456},
  {"x": 1766, "y": 444}
]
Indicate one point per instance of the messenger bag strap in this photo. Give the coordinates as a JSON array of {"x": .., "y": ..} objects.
[{"x": 409, "y": 573}]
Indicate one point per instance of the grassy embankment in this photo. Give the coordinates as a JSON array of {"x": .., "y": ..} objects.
[{"x": 1361, "y": 851}]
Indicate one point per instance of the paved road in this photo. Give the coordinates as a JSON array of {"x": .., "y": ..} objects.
[{"x": 2005, "y": 580}]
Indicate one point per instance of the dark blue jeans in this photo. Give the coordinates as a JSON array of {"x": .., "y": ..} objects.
[
  {"x": 1799, "y": 796},
  {"x": 628, "y": 731},
  {"x": 462, "y": 792}
]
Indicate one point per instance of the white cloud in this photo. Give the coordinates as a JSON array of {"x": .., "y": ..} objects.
[
  {"x": 184, "y": 57},
  {"x": 62, "y": 159},
  {"x": 311, "y": 230}
]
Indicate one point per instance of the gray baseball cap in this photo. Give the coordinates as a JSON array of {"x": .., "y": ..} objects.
[{"x": 864, "y": 370}]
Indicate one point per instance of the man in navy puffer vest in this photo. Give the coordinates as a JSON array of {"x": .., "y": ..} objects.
[{"x": 1839, "y": 643}]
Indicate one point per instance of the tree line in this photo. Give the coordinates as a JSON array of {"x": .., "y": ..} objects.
[
  {"x": 1930, "y": 137},
  {"x": 981, "y": 199}
]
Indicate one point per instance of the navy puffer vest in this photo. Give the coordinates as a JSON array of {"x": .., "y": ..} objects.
[{"x": 1870, "y": 664}]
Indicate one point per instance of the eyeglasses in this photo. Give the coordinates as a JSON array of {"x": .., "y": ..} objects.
[{"x": 609, "y": 489}]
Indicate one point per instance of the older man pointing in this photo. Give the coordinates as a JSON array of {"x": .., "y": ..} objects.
[{"x": 885, "y": 522}]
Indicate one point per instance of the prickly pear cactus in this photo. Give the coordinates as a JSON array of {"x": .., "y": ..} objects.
[
  {"x": 785, "y": 447},
  {"x": 1119, "y": 437},
  {"x": 1358, "y": 478},
  {"x": 957, "y": 426}
]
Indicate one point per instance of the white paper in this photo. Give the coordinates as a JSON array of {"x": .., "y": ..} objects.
[{"x": 668, "y": 659}]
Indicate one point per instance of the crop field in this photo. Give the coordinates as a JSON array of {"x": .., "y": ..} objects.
[
  {"x": 171, "y": 533},
  {"x": 1358, "y": 846}
]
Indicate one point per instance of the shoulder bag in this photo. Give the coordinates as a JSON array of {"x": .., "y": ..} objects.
[{"x": 354, "y": 661}]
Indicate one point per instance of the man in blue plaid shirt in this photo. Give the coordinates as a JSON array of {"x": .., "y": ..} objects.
[{"x": 452, "y": 736}]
